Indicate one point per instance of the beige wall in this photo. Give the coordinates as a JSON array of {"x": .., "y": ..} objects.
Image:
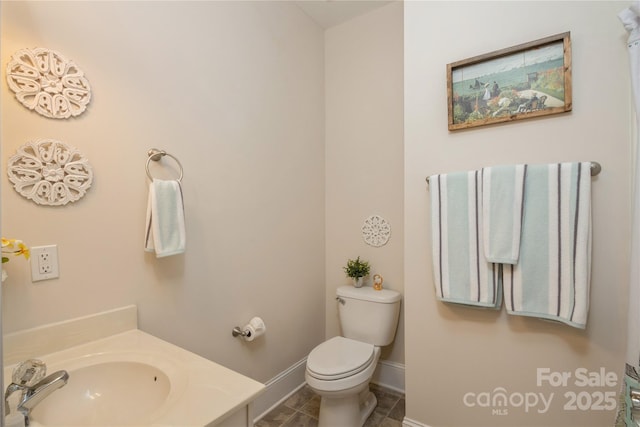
[
  {"x": 235, "y": 91},
  {"x": 453, "y": 350},
  {"x": 364, "y": 151}
]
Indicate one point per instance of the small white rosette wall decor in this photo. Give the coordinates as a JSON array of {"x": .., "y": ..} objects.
[
  {"x": 376, "y": 231},
  {"x": 50, "y": 172},
  {"x": 47, "y": 82}
]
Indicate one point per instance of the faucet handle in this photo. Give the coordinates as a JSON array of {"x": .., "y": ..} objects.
[{"x": 29, "y": 372}]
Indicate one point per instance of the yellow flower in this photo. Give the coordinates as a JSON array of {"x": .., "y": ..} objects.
[{"x": 14, "y": 247}]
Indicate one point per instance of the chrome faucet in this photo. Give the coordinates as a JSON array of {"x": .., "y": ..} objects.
[{"x": 28, "y": 380}]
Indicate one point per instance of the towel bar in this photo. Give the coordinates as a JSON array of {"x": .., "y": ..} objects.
[
  {"x": 155, "y": 155},
  {"x": 596, "y": 168}
]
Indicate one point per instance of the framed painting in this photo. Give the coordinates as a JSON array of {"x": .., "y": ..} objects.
[{"x": 521, "y": 82}]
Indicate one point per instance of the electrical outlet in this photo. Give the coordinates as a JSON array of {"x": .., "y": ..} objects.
[{"x": 44, "y": 263}]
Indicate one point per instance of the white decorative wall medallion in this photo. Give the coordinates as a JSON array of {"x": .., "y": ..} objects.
[
  {"x": 45, "y": 81},
  {"x": 376, "y": 231},
  {"x": 50, "y": 172}
]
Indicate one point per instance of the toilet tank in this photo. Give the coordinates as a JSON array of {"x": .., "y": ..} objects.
[{"x": 368, "y": 315}]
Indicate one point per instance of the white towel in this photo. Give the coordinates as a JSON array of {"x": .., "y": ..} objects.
[
  {"x": 461, "y": 272},
  {"x": 165, "y": 229},
  {"x": 552, "y": 277},
  {"x": 502, "y": 203}
]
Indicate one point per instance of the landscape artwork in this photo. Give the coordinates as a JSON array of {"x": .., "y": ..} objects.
[{"x": 521, "y": 82}]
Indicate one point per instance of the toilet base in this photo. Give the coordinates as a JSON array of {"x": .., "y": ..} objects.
[
  {"x": 347, "y": 411},
  {"x": 367, "y": 406}
]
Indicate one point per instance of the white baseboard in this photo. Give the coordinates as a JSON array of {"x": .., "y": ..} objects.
[
  {"x": 390, "y": 375},
  {"x": 279, "y": 388},
  {"x": 408, "y": 422}
]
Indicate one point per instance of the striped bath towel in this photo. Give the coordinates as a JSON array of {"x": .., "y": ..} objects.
[
  {"x": 502, "y": 204},
  {"x": 461, "y": 272},
  {"x": 552, "y": 277}
]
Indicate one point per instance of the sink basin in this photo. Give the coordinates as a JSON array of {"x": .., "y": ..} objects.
[
  {"x": 111, "y": 389},
  {"x": 110, "y": 393}
]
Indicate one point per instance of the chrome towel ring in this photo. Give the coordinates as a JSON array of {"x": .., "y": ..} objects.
[{"x": 155, "y": 155}]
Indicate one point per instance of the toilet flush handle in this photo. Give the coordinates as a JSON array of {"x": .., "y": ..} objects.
[
  {"x": 634, "y": 394},
  {"x": 340, "y": 300}
]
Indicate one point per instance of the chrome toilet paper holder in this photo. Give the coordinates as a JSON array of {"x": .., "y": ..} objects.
[
  {"x": 252, "y": 330},
  {"x": 237, "y": 332}
]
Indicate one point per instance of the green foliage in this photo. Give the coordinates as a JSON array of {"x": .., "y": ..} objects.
[
  {"x": 356, "y": 268},
  {"x": 551, "y": 82},
  {"x": 476, "y": 115},
  {"x": 459, "y": 116}
]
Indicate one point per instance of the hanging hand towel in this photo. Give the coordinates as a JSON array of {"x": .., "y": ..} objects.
[
  {"x": 165, "y": 230},
  {"x": 502, "y": 197},
  {"x": 461, "y": 272},
  {"x": 552, "y": 277}
]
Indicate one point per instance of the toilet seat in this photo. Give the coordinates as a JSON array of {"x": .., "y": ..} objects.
[{"x": 339, "y": 358}]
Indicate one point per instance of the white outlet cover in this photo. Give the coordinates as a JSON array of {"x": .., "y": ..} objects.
[{"x": 44, "y": 270}]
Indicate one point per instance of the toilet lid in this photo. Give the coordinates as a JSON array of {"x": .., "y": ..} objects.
[{"x": 338, "y": 358}]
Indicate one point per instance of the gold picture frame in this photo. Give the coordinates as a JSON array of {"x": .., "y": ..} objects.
[{"x": 521, "y": 82}]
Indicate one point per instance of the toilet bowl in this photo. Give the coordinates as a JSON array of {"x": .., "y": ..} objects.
[{"x": 339, "y": 369}]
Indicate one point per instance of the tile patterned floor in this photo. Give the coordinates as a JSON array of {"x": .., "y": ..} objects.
[{"x": 301, "y": 410}]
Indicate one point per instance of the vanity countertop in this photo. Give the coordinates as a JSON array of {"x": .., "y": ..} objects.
[{"x": 203, "y": 393}]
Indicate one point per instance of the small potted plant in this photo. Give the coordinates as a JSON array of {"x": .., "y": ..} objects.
[{"x": 357, "y": 269}]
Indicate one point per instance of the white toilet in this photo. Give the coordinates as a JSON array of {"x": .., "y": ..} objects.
[{"x": 340, "y": 369}]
